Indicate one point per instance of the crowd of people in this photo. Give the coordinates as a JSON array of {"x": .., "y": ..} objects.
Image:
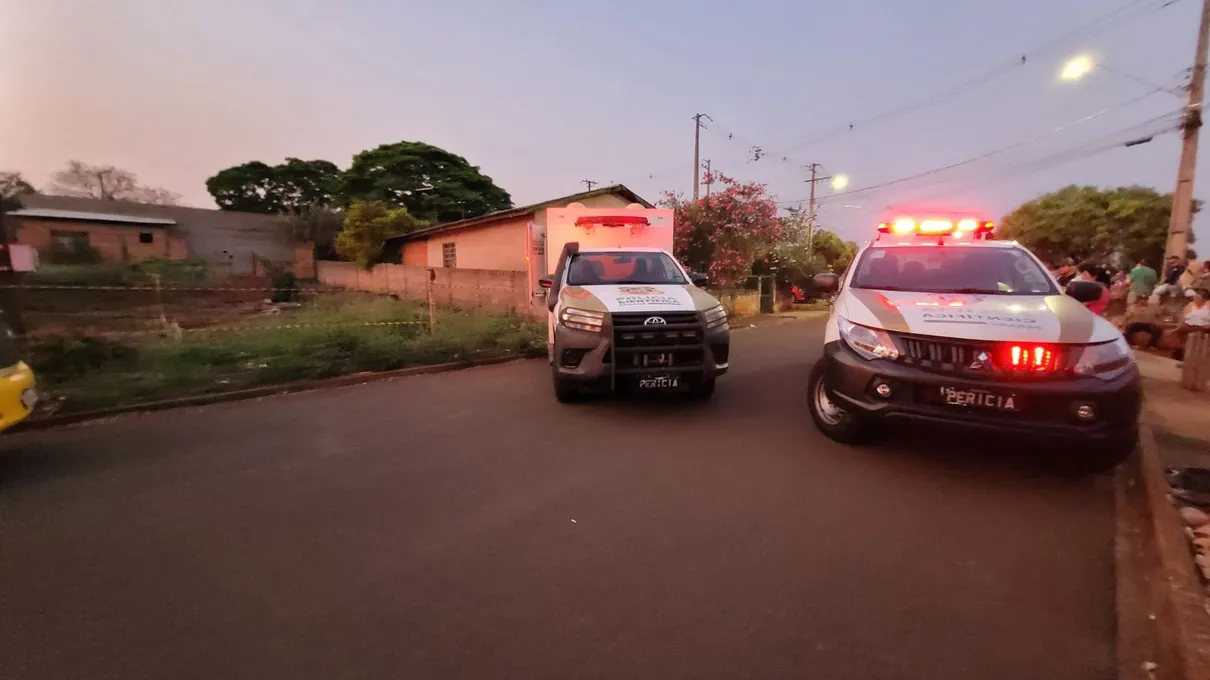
[{"x": 1184, "y": 285}]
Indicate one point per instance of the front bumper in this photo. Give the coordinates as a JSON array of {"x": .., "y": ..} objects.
[
  {"x": 1047, "y": 408},
  {"x": 594, "y": 361}
]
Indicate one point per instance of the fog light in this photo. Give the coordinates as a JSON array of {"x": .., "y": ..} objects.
[
  {"x": 1086, "y": 412},
  {"x": 883, "y": 390}
]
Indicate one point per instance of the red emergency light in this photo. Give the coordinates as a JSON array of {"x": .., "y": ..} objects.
[
  {"x": 612, "y": 221},
  {"x": 906, "y": 226},
  {"x": 1030, "y": 358}
]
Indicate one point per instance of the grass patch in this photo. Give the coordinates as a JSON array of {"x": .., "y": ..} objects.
[
  {"x": 327, "y": 338},
  {"x": 142, "y": 273}
]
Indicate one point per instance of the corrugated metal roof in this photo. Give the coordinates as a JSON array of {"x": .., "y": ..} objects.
[{"x": 51, "y": 214}]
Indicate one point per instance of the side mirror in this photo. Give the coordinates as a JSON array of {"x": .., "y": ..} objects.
[
  {"x": 699, "y": 280},
  {"x": 1085, "y": 291},
  {"x": 545, "y": 282},
  {"x": 826, "y": 283}
]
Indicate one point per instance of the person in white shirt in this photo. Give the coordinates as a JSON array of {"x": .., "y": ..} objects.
[{"x": 1195, "y": 318}]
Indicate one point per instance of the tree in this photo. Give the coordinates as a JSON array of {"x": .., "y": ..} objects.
[
  {"x": 722, "y": 233},
  {"x": 319, "y": 226},
  {"x": 1119, "y": 225},
  {"x": 367, "y": 226},
  {"x": 432, "y": 183},
  {"x": 12, "y": 187},
  {"x": 107, "y": 183},
  {"x": 798, "y": 256},
  {"x": 14, "y": 184},
  {"x": 290, "y": 187}
]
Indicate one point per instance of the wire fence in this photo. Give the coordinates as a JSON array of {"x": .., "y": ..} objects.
[{"x": 99, "y": 346}]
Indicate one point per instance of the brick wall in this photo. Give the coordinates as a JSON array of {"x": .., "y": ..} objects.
[
  {"x": 115, "y": 243},
  {"x": 464, "y": 288}
]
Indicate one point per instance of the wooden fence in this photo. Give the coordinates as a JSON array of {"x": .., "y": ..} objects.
[{"x": 462, "y": 288}]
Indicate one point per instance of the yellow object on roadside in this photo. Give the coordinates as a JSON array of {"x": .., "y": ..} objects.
[{"x": 17, "y": 394}]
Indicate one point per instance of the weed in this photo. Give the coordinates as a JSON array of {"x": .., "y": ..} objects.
[{"x": 327, "y": 337}]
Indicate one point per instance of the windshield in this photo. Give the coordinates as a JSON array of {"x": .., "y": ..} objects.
[
  {"x": 620, "y": 268},
  {"x": 938, "y": 269}
]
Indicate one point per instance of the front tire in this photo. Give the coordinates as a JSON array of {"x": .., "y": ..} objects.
[
  {"x": 834, "y": 422},
  {"x": 704, "y": 390}
]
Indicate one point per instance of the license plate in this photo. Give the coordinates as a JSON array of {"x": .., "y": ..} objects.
[
  {"x": 661, "y": 360},
  {"x": 953, "y": 396},
  {"x": 659, "y": 382}
]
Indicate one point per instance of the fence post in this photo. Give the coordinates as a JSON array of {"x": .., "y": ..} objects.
[
  {"x": 159, "y": 299},
  {"x": 432, "y": 302}
]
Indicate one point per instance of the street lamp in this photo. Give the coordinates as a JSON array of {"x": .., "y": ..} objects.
[
  {"x": 1077, "y": 67},
  {"x": 840, "y": 181}
]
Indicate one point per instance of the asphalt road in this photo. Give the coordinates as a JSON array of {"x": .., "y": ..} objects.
[{"x": 467, "y": 526}]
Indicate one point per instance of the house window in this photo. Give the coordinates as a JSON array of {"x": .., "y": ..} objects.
[
  {"x": 73, "y": 242},
  {"x": 146, "y": 237},
  {"x": 449, "y": 255}
]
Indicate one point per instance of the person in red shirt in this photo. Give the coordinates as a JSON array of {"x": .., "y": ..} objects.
[{"x": 1087, "y": 272}]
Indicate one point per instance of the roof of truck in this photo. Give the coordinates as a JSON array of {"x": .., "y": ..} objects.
[
  {"x": 623, "y": 249},
  {"x": 885, "y": 242}
]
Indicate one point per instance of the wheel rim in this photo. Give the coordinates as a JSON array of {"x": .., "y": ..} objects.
[{"x": 828, "y": 412}]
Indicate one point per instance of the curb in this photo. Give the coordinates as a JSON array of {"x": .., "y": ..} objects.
[
  {"x": 256, "y": 392},
  {"x": 1177, "y": 598}
]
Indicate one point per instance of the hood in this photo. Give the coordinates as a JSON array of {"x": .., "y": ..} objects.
[
  {"x": 658, "y": 298},
  {"x": 1024, "y": 318}
]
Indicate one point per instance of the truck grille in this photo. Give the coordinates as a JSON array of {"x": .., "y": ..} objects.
[
  {"x": 928, "y": 352},
  {"x": 966, "y": 357},
  {"x": 674, "y": 346}
]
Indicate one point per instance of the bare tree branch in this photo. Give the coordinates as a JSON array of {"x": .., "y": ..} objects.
[{"x": 107, "y": 183}]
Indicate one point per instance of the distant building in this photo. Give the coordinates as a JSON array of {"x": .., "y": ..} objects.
[
  {"x": 503, "y": 240},
  {"x": 120, "y": 231}
]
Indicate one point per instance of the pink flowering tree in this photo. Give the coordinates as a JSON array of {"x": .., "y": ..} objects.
[{"x": 722, "y": 234}]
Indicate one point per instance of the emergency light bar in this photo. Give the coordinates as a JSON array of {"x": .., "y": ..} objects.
[
  {"x": 612, "y": 221},
  {"x": 936, "y": 227}
]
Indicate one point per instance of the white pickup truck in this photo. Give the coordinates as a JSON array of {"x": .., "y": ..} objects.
[{"x": 624, "y": 314}]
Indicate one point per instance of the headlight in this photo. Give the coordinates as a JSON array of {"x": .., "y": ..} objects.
[
  {"x": 1107, "y": 360},
  {"x": 582, "y": 319},
  {"x": 715, "y": 317},
  {"x": 870, "y": 343}
]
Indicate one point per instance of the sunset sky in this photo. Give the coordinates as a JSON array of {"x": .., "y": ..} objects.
[{"x": 542, "y": 94}]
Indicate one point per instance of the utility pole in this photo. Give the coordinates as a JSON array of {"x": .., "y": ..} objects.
[
  {"x": 709, "y": 178},
  {"x": 589, "y": 183},
  {"x": 814, "y": 167},
  {"x": 697, "y": 151},
  {"x": 1181, "y": 219}
]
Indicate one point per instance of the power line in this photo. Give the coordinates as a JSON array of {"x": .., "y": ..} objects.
[
  {"x": 1130, "y": 136},
  {"x": 1131, "y": 9},
  {"x": 1103, "y": 21},
  {"x": 988, "y": 154},
  {"x": 758, "y": 152}
]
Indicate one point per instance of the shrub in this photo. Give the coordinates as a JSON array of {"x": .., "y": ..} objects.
[{"x": 67, "y": 356}]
